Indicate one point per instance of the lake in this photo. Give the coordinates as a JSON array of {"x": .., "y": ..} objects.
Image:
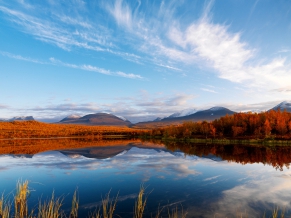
[{"x": 202, "y": 180}]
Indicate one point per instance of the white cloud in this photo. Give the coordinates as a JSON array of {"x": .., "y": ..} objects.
[
  {"x": 3, "y": 106},
  {"x": 209, "y": 45},
  {"x": 66, "y": 32},
  {"x": 283, "y": 89},
  {"x": 208, "y": 90},
  {"x": 137, "y": 108},
  {"x": 95, "y": 69},
  {"x": 122, "y": 13},
  {"x": 129, "y": 75},
  {"x": 19, "y": 57}
]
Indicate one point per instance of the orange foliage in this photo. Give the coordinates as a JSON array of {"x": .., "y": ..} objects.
[
  {"x": 34, "y": 129},
  {"x": 274, "y": 124}
]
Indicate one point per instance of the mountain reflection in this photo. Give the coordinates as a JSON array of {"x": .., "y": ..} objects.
[{"x": 278, "y": 157}]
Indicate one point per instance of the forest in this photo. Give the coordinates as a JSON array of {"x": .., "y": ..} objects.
[{"x": 265, "y": 125}]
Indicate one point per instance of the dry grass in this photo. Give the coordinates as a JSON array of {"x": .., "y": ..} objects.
[
  {"x": 75, "y": 206},
  {"x": 4, "y": 208},
  {"x": 20, "y": 199},
  {"x": 174, "y": 213},
  {"x": 96, "y": 214},
  {"x": 276, "y": 211},
  {"x": 109, "y": 206},
  {"x": 140, "y": 203},
  {"x": 51, "y": 208}
]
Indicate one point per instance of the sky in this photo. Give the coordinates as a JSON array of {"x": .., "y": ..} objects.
[{"x": 142, "y": 59}]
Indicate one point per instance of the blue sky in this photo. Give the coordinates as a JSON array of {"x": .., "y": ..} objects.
[{"x": 142, "y": 59}]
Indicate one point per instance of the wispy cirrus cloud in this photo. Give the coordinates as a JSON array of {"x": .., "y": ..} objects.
[
  {"x": 163, "y": 39},
  {"x": 19, "y": 57},
  {"x": 202, "y": 42},
  {"x": 283, "y": 89},
  {"x": 86, "y": 67},
  {"x": 66, "y": 31}
]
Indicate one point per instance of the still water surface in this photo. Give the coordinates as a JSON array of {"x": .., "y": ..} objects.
[{"x": 204, "y": 180}]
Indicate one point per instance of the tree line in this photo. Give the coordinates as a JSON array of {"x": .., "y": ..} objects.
[{"x": 271, "y": 124}]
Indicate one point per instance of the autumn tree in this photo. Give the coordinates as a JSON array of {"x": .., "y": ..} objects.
[{"x": 267, "y": 128}]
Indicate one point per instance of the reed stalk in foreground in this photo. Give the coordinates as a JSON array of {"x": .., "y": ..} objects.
[
  {"x": 96, "y": 214},
  {"x": 20, "y": 199},
  {"x": 140, "y": 203},
  {"x": 4, "y": 208},
  {"x": 50, "y": 209},
  {"x": 275, "y": 213},
  {"x": 108, "y": 206},
  {"x": 75, "y": 206},
  {"x": 175, "y": 214}
]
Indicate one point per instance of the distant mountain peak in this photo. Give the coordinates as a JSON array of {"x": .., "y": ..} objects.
[
  {"x": 73, "y": 116},
  {"x": 157, "y": 119},
  {"x": 183, "y": 113},
  {"x": 21, "y": 118},
  {"x": 285, "y": 105}
]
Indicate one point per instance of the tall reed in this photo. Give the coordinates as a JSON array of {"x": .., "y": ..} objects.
[
  {"x": 4, "y": 208},
  {"x": 109, "y": 206},
  {"x": 51, "y": 208},
  {"x": 174, "y": 213},
  {"x": 275, "y": 213},
  {"x": 75, "y": 206},
  {"x": 140, "y": 203},
  {"x": 20, "y": 199}
]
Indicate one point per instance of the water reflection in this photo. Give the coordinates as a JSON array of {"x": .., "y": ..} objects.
[
  {"x": 207, "y": 180},
  {"x": 278, "y": 157}
]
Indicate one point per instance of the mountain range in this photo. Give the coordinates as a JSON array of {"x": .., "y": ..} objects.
[
  {"x": 23, "y": 118},
  {"x": 208, "y": 115},
  {"x": 175, "y": 118}
]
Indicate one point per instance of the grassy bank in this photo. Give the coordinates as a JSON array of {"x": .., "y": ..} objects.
[{"x": 270, "y": 142}]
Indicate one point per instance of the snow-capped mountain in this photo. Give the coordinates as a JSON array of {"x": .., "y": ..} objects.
[
  {"x": 121, "y": 117},
  {"x": 97, "y": 119},
  {"x": 23, "y": 118},
  {"x": 71, "y": 118},
  {"x": 183, "y": 113},
  {"x": 283, "y": 106}
]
